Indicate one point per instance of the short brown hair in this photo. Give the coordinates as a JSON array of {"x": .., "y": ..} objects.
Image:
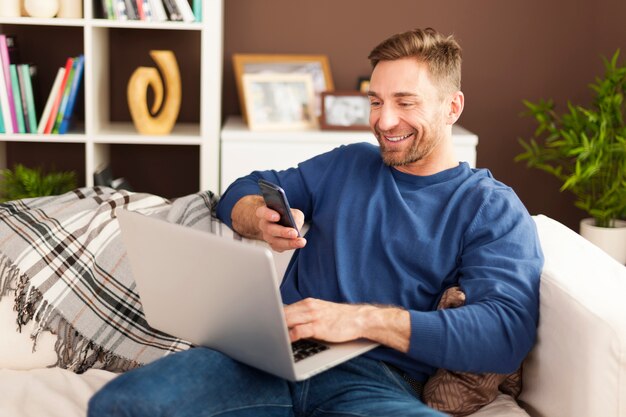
[{"x": 441, "y": 53}]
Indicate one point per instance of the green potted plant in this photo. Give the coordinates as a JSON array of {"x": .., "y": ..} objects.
[
  {"x": 23, "y": 182},
  {"x": 585, "y": 148}
]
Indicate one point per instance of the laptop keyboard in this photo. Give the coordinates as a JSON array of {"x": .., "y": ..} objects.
[{"x": 304, "y": 348}]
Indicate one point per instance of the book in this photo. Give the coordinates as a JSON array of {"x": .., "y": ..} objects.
[
  {"x": 131, "y": 10},
  {"x": 5, "y": 113},
  {"x": 22, "y": 86},
  {"x": 59, "y": 96},
  {"x": 172, "y": 10},
  {"x": 71, "y": 102},
  {"x": 185, "y": 10},
  {"x": 158, "y": 11},
  {"x": 140, "y": 12},
  {"x": 28, "y": 71},
  {"x": 120, "y": 10},
  {"x": 147, "y": 10},
  {"x": 17, "y": 99},
  {"x": 54, "y": 91},
  {"x": 4, "y": 57},
  {"x": 64, "y": 98},
  {"x": 34, "y": 83},
  {"x": 197, "y": 10},
  {"x": 1, "y": 120}
]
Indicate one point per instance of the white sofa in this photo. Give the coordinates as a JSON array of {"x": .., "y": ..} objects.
[{"x": 577, "y": 368}]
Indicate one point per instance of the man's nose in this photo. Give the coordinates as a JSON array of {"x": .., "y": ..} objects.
[{"x": 388, "y": 118}]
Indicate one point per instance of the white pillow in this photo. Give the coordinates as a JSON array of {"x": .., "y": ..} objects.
[{"x": 16, "y": 349}]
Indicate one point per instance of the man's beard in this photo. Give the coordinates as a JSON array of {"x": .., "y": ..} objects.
[{"x": 418, "y": 149}]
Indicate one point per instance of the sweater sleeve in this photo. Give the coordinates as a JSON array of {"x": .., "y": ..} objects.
[
  {"x": 299, "y": 184},
  {"x": 500, "y": 265}
]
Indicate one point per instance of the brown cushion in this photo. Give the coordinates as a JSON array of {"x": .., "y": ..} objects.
[{"x": 463, "y": 393}]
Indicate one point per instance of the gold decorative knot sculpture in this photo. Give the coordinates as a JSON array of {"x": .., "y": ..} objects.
[{"x": 160, "y": 119}]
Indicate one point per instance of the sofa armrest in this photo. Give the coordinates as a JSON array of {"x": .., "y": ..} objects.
[{"x": 578, "y": 366}]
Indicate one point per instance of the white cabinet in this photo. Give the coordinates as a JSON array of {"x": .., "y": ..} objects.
[
  {"x": 244, "y": 151},
  {"x": 101, "y": 38}
]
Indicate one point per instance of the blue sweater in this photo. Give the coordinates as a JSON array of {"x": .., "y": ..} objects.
[{"x": 381, "y": 236}]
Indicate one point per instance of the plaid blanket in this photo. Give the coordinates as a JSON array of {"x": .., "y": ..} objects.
[{"x": 63, "y": 258}]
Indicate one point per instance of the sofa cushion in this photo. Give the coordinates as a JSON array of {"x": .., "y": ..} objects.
[
  {"x": 52, "y": 392},
  {"x": 578, "y": 366},
  {"x": 16, "y": 348}
]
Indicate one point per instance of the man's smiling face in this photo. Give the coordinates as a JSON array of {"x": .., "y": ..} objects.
[{"x": 408, "y": 111}]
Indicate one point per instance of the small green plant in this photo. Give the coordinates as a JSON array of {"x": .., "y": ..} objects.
[
  {"x": 23, "y": 182},
  {"x": 585, "y": 148}
]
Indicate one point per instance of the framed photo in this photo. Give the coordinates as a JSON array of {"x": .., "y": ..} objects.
[
  {"x": 348, "y": 110},
  {"x": 279, "y": 101},
  {"x": 315, "y": 65},
  {"x": 363, "y": 84}
]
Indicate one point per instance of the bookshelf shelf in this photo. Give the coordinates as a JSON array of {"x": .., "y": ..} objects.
[
  {"x": 31, "y": 138},
  {"x": 34, "y": 21},
  {"x": 104, "y": 133},
  {"x": 136, "y": 24}
]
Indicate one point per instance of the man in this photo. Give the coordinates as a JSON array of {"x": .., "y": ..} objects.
[{"x": 390, "y": 230}]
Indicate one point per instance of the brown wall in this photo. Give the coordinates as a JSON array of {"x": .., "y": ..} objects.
[{"x": 513, "y": 50}]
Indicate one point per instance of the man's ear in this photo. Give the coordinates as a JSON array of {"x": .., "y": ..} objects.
[{"x": 456, "y": 107}]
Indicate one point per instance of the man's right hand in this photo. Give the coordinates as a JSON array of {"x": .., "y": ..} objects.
[
  {"x": 280, "y": 238},
  {"x": 253, "y": 219}
]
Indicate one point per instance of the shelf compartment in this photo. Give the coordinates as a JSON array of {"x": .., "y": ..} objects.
[
  {"x": 173, "y": 173},
  {"x": 59, "y": 156}
]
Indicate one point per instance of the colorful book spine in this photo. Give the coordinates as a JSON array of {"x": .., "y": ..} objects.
[
  {"x": 158, "y": 11},
  {"x": 64, "y": 98},
  {"x": 172, "y": 10},
  {"x": 185, "y": 10},
  {"x": 110, "y": 9},
  {"x": 30, "y": 97},
  {"x": 1, "y": 120},
  {"x": 140, "y": 11},
  {"x": 5, "y": 115},
  {"x": 69, "y": 111},
  {"x": 17, "y": 99},
  {"x": 45, "y": 115},
  {"x": 131, "y": 10},
  {"x": 147, "y": 10},
  {"x": 120, "y": 10},
  {"x": 57, "y": 100},
  {"x": 197, "y": 10},
  {"x": 4, "y": 57},
  {"x": 22, "y": 86}
]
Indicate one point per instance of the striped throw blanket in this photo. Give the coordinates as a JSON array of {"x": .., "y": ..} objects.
[{"x": 63, "y": 259}]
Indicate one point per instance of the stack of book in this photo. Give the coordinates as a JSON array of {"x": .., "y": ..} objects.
[
  {"x": 152, "y": 10},
  {"x": 59, "y": 109},
  {"x": 19, "y": 108},
  {"x": 17, "y": 103}
]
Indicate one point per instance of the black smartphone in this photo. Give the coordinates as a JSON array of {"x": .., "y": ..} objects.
[{"x": 276, "y": 199}]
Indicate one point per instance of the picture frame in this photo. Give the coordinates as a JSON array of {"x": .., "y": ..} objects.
[
  {"x": 345, "y": 110},
  {"x": 363, "y": 84},
  {"x": 279, "y": 101},
  {"x": 316, "y": 65}
]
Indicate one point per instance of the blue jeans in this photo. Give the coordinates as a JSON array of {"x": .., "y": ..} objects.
[{"x": 201, "y": 382}]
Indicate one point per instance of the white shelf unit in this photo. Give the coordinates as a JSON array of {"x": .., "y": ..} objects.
[
  {"x": 99, "y": 132},
  {"x": 244, "y": 151}
]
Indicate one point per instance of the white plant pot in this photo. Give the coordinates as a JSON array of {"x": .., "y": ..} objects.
[{"x": 612, "y": 240}]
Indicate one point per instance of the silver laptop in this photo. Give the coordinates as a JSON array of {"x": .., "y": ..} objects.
[{"x": 220, "y": 293}]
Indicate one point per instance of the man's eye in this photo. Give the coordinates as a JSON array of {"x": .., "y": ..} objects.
[{"x": 374, "y": 103}]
